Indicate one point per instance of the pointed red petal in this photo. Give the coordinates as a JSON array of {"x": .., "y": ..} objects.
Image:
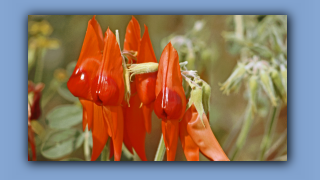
[
  {"x": 190, "y": 148},
  {"x": 126, "y": 138},
  {"x": 146, "y": 83},
  {"x": 147, "y": 115},
  {"x": 88, "y": 63},
  {"x": 170, "y": 130},
  {"x": 204, "y": 137},
  {"x": 99, "y": 132},
  {"x": 87, "y": 117},
  {"x": 135, "y": 126},
  {"x": 117, "y": 129},
  {"x": 108, "y": 86},
  {"x": 132, "y": 38},
  {"x": 170, "y": 100}
]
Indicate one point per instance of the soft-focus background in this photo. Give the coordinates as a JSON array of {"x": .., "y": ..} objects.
[{"x": 54, "y": 45}]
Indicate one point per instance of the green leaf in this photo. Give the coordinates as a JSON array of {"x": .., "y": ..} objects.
[
  {"x": 66, "y": 94},
  {"x": 64, "y": 116},
  {"x": 60, "y": 143}
]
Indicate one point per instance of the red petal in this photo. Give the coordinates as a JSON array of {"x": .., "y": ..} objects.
[
  {"x": 170, "y": 130},
  {"x": 99, "y": 132},
  {"x": 147, "y": 115},
  {"x": 146, "y": 83},
  {"x": 108, "y": 85},
  {"x": 117, "y": 129},
  {"x": 170, "y": 98},
  {"x": 135, "y": 126},
  {"x": 88, "y": 63},
  {"x": 203, "y": 136},
  {"x": 132, "y": 38},
  {"x": 87, "y": 117},
  {"x": 190, "y": 148}
]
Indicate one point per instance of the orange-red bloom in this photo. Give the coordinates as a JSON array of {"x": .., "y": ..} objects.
[
  {"x": 195, "y": 136},
  {"x": 98, "y": 82},
  {"x": 170, "y": 103},
  {"x": 138, "y": 118}
]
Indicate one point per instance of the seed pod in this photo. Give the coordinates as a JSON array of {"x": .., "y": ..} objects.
[{"x": 268, "y": 86}]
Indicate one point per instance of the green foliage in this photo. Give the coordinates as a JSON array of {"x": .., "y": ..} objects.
[
  {"x": 60, "y": 143},
  {"x": 64, "y": 116}
]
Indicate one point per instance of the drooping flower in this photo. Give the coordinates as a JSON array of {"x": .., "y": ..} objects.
[
  {"x": 170, "y": 103},
  {"x": 197, "y": 135},
  {"x": 36, "y": 92},
  {"x": 98, "y": 82},
  {"x": 135, "y": 115}
]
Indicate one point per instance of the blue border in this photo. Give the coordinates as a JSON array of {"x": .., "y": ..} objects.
[{"x": 303, "y": 122}]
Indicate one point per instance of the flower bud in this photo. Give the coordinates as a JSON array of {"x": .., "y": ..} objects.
[
  {"x": 278, "y": 84},
  {"x": 268, "y": 86},
  {"x": 283, "y": 70},
  {"x": 196, "y": 99},
  {"x": 234, "y": 80},
  {"x": 206, "y": 94}
]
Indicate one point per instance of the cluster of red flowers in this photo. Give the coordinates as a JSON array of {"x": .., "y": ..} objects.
[{"x": 98, "y": 81}]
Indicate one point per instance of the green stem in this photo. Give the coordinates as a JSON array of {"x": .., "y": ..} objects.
[
  {"x": 105, "y": 152},
  {"x": 244, "y": 132},
  {"x": 39, "y": 66},
  {"x": 266, "y": 140},
  {"x": 86, "y": 147},
  {"x": 161, "y": 150}
]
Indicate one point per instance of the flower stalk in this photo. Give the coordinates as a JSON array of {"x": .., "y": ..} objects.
[
  {"x": 161, "y": 150},
  {"x": 267, "y": 138}
]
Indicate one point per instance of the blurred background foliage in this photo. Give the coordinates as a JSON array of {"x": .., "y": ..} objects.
[{"x": 213, "y": 46}]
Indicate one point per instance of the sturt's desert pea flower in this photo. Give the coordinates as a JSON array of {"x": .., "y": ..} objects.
[
  {"x": 98, "y": 82},
  {"x": 170, "y": 103},
  {"x": 137, "y": 113}
]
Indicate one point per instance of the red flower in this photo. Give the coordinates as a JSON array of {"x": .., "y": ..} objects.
[
  {"x": 35, "y": 101},
  {"x": 98, "y": 82},
  {"x": 195, "y": 136},
  {"x": 170, "y": 103},
  {"x": 134, "y": 115}
]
